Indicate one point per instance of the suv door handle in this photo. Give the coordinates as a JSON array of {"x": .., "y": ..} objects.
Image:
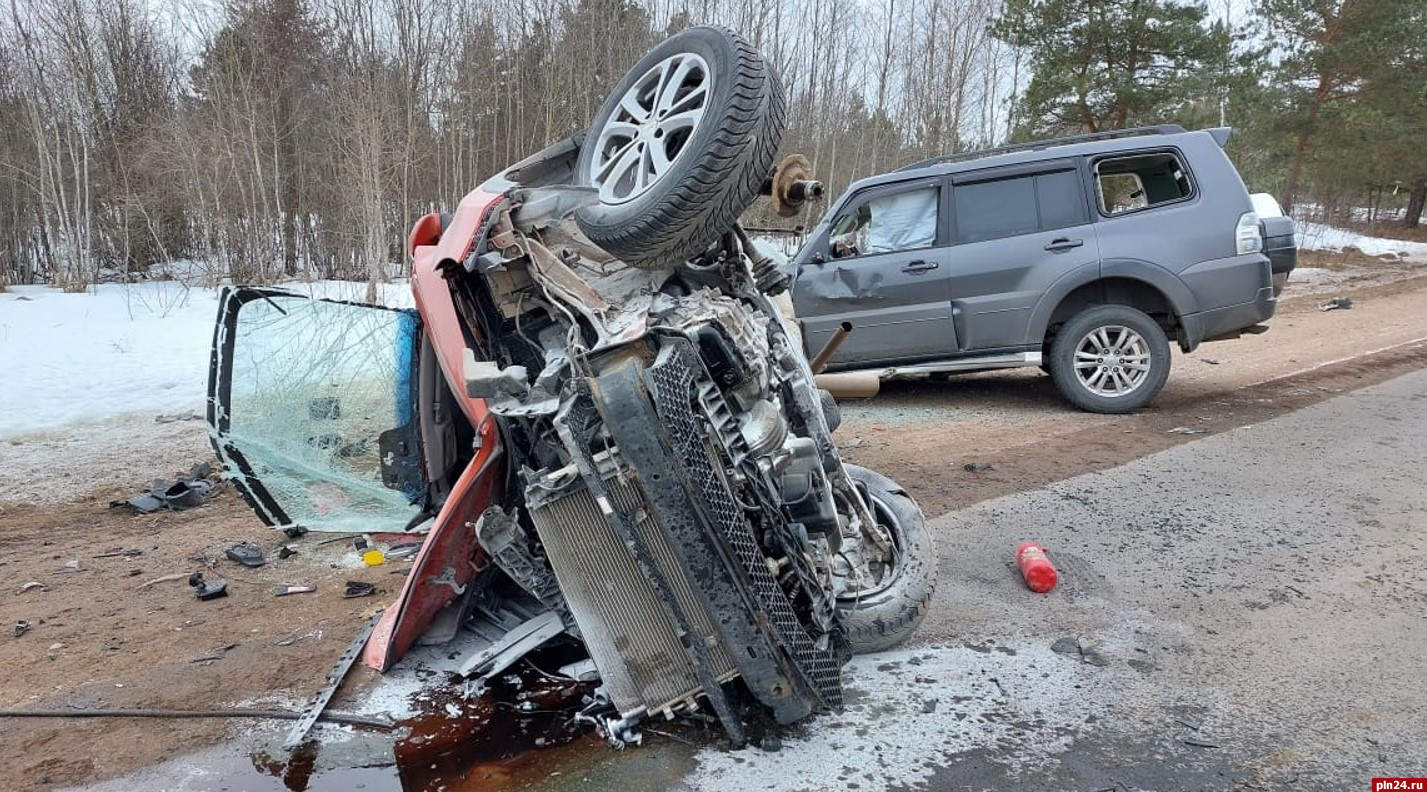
[
  {"x": 919, "y": 266},
  {"x": 1058, "y": 245}
]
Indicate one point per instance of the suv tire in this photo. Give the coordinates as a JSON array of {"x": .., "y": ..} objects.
[
  {"x": 676, "y": 162},
  {"x": 1110, "y": 359},
  {"x": 892, "y": 611}
]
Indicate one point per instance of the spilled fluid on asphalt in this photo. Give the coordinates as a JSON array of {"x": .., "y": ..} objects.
[
  {"x": 515, "y": 736},
  {"x": 489, "y": 742}
]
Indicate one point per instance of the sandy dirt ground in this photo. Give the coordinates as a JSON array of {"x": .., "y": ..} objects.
[{"x": 98, "y": 637}]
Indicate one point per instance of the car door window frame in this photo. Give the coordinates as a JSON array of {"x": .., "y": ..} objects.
[
  {"x": 1093, "y": 171},
  {"x": 1029, "y": 170},
  {"x": 862, "y": 198}
]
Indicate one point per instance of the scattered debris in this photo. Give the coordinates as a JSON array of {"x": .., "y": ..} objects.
[
  {"x": 1188, "y": 430},
  {"x": 286, "y": 552},
  {"x": 294, "y": 531},
  {"x": 1188, "y": 723},
  {"x": 283, "y": 591},
  {"x": 1337, "y": 303},
  {"x": 56, "y": 646},
  {"x": 30, "y": 585},
  {"x": 373, "y": 557},
  {"x": 205, "y": 590},
  {"x": 70, "y": 566},
  {"x": 163, "y": 579},
  {"x": 404, "y": 551},
  {"x": 188, "y": 415},
  {"x": 334, "y": 680},
  {"x": 1201, "y": 744},
  {"x": 216, "y": 654},
  {"x": 246, "y": 553},
  {"x": 183, "y": 494},
  {"x": 21, "y": 627},
  {"x": 119, "y": 552},
  {"x": 976, "y": 467},
  {"x": 1080, "y": 649},
  {"x": 331, "y": 717},
  {"x": 356, "y": 588},
  {"x": 1212, "y": 361}
]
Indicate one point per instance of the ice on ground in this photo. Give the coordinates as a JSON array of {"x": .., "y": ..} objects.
[
  {"x": 1316, "y": 236},
  {"x": 118, "y": 349},
  {"x": 908, "y": 711}
]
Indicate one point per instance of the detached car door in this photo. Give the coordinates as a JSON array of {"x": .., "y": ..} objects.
[
  {"x": 312, "y": 409},
  {"x": 881, "y": 266}
]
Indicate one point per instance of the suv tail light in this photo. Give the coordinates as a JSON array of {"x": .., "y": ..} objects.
[{"x": 1246, "y": 234}]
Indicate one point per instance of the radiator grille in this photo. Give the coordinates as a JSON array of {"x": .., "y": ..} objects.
[
  {"x": 627, "y": 630},
  {"x": 676, "y": 389}
]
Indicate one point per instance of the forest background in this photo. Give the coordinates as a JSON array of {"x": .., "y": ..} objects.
[{"x": 262, "y": 140}]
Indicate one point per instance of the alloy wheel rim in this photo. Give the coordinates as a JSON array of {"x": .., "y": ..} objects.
[
  {"x": 883, "y": 573},
  {"x": 650, "y": 128},
  {"x": 1112, "y": 361}
]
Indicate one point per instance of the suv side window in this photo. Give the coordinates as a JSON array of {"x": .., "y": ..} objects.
[
  {"x": 1021, "y": 205},
  {"x": 886, "y": 223},
  {"x": 1128, "y": 184}
]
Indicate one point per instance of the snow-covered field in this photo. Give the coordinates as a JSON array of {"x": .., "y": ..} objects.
[
  {"x": 107, "y": 388},
  {"x": 69, "y": 359}
]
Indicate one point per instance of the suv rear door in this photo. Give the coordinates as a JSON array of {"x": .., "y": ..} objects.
[
  {"x": 881, "y": 265},
  {"x": 1016, "y": 231},
  {"x": 312, "y": 409}
]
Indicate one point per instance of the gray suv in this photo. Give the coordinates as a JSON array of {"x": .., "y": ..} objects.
[{"x": 1082, "y": 255}]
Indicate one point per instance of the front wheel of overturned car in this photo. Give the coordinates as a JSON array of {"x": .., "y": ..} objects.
[
  {"x": 1110, "y": 359},
  {"x": 681, "y": 147},
  {"x": 889, "y": 608}
]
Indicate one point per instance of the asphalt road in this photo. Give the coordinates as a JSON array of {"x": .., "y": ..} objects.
[{"x": 1242, "y": 612}]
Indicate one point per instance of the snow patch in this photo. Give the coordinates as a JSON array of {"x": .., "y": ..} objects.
[{"x": 1316, "y": 236}]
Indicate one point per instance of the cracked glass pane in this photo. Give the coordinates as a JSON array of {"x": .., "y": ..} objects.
[{"x": 321, "y": 409}]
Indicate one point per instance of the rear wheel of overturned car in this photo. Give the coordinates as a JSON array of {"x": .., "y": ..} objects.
[
  {"x": 681, "y": 147},
  {"x": 1110, "y": 359},
  {"x": 889, "y": 608}
]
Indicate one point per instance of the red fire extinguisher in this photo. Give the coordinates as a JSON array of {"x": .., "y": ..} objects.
[{"x": 1036, "y": 568}]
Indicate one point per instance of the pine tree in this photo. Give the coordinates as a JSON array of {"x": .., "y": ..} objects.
[{"x": 1108, "y": 64}]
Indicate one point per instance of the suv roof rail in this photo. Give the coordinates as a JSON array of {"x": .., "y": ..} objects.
[{"x": 1037, "y": 145}]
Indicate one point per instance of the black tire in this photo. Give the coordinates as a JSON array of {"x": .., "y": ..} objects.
[
  {"x": 713, "y": 173},
  {"x": 831, "y": 412},
  {"x": 896, "y": 607},
  {"x": 1145, "y": 345}
]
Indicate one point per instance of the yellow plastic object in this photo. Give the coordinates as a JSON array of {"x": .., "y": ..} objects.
[{"x": 374, "y": 557}]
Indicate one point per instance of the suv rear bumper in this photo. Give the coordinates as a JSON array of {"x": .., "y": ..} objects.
[{"x": 1198, "y": 327}]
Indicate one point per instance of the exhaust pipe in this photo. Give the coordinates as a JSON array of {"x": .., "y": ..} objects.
[
  {"x": 819, "y": 361},
  {"x": 850, "y": 384}
]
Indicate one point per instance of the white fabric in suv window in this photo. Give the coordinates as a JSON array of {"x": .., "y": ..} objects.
[{"x": 902, "y": 221}]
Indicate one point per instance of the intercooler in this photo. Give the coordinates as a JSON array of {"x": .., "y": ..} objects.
[{"x": 626, "y": 628}]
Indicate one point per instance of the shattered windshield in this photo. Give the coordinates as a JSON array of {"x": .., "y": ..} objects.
[{"x": 320, "y": 406}]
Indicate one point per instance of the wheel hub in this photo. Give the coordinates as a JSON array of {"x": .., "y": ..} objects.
[{"x": 1113, "y": 361}]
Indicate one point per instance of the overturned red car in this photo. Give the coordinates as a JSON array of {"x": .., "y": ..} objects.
[{"x": 597, "y": 416}]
